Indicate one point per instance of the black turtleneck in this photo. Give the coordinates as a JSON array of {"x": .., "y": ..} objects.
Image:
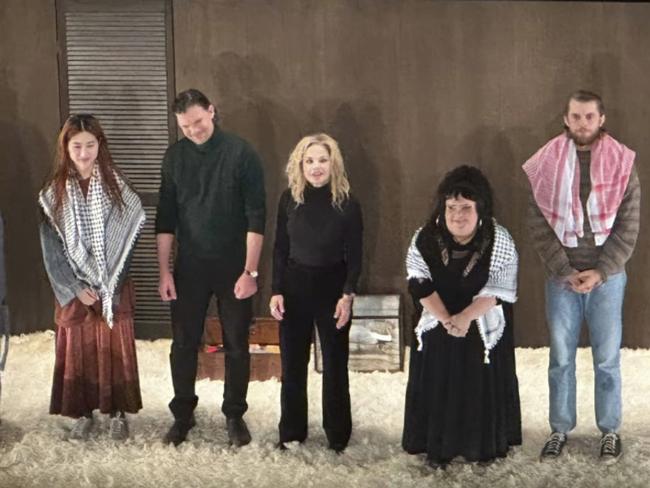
[
  {"x": 318, "y": 234},
  {"x": 211, "y": 195}
]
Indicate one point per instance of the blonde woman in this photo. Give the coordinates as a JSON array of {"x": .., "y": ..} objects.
[{"x": 316, "y": 266}]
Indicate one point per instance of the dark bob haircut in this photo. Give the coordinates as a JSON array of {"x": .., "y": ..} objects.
[{"x": 470, "y": 183}]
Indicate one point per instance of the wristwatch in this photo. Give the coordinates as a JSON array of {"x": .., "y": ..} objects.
[{"x": 252, "y": 274}]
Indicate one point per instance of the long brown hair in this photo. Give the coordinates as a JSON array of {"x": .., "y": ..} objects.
[{"x": 64, "y": 167}]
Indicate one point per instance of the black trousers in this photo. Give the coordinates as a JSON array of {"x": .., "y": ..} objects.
[
  {"x": 196, "y": 281},
  {"x": 310, "y": 296}
]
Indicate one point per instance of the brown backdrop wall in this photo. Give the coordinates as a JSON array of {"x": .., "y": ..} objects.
[
  {"x": 29, "y": 120},
  {"x": 413, "y": 88},
  {"x": 410, "y": 89}
]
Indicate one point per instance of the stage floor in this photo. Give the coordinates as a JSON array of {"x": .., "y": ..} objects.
[{"x": 33, "y": 452}]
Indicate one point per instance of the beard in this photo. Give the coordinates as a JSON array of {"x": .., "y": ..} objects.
[{"x": 582, "y": 139}]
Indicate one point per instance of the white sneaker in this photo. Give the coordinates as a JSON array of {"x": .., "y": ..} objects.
[
  {"x": 81, "y": 429},
  {"x": 119, "y": 428}
]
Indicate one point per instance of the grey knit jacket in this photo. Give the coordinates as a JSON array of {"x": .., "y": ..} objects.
[{"x": 65, "y": 284}]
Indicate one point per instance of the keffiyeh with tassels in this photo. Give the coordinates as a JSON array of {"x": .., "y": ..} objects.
[
  {"x": 501, "y": 284},
  {"x": 97, "y": 236},
  {"x": 554, "y": 176}
]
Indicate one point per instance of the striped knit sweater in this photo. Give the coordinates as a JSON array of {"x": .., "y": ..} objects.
[{"x": 608, "y": 259}]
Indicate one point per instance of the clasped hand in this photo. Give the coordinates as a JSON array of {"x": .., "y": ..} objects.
[
  {"x": 457, "y": 325},
  {"x": 584, "y": 281},
  {"x": 88, "y": 296}
]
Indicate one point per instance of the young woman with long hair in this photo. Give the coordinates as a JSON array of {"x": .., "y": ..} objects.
[{"x": 91, "y": 220}]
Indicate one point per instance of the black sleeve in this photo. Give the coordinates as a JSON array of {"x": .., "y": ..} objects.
[
  {"x": 281, "y": 246},
  {"x": 420, "y": 284},
  {"x": 420, "y": 288},
  {"x": 353, "y": 244},
  {"x": 166, "y": 213},
  {"x": 253, "y": 191}
]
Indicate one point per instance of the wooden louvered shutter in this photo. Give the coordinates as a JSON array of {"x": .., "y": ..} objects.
[{"x": 115, "y": 64}]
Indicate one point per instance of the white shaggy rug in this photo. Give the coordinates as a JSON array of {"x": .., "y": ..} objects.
[{"x": 33, "y": 452}]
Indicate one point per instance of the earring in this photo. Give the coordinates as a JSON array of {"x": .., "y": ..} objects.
[
  {"x": 480, "y": 223},
  {"x": 438, "y": 221}
]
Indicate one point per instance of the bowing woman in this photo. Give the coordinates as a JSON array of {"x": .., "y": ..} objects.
[{"x": 462, "y": 396}]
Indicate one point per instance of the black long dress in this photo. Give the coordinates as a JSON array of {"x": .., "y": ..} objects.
[{"x": 455, "y": 404}]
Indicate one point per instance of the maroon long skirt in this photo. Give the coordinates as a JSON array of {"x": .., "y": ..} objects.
[{"x": 95, "y": 366}]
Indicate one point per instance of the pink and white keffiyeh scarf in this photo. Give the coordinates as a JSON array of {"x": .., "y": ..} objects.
[{"x": 554, "y": 177}]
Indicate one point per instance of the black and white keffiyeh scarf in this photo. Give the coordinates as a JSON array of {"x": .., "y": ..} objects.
[
  {"x": 501, "y": 284},
  {"x": 97, "y": 236}
]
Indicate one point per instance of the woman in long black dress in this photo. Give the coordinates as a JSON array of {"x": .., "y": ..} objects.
[{"x": 462, "y": 397}]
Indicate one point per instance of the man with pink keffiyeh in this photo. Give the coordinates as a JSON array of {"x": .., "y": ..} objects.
[{"x": 584, "y": 221}]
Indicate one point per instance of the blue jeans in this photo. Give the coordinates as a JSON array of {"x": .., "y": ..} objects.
[{"x": 565, "y": 312}]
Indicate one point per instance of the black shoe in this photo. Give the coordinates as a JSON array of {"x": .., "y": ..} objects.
[
  {"x": 486, "y": 464},
  {"x": 437, "y": 464},
  {"x": 281, "y": 446},
  {"x": 337, "y": 448},
  {"x": 553, "y": 447},
  {"x": 610, "y": 448},
  {"x": 178, "y": 431},
  {"x": 238, "y": 433}
]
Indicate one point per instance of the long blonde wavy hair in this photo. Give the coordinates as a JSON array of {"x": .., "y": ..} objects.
[{"x": 339, "y": 184}]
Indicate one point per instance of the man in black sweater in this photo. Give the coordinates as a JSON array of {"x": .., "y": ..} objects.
[{"x": 212, "y": 201}]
